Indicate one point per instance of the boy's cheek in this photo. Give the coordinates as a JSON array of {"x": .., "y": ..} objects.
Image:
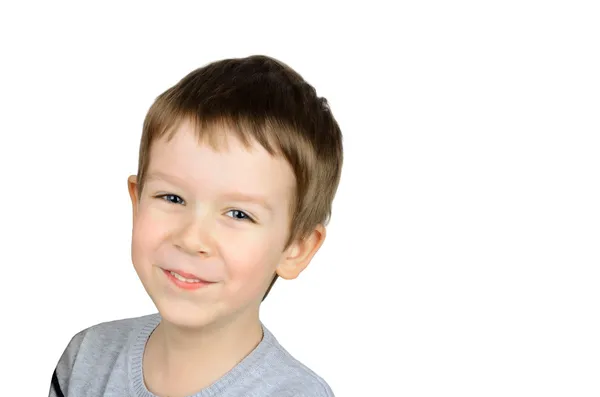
[
  {"x": 146, "y": 237},
  {"x": 151, "y": 224},
  {"x": 249, "y": 266}
]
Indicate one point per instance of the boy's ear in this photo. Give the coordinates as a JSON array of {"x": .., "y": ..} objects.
[
  {"x": 299, "y": 254},
  {"x": 132, "y": 187}
]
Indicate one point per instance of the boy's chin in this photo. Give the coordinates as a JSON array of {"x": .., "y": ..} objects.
[
  {"x": 192, "y": 317},
  {"x": 185, "y": 315}
]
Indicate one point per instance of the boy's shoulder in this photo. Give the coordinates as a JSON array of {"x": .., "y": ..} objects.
[
  {"x": 295, "y": 378},
  {"x": 108, "y": 336},
  {"x": 114, "y": 331},
  {"x": 121, "y": 327},
  {"x": 94, "y": 353}
]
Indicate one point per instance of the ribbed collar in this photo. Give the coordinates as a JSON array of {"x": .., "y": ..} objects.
[{"x": 136, "y": 354}]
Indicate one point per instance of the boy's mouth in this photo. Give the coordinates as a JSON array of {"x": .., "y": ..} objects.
[
  {"x": 187, "y": 277},
  {"x": 185, "y": 280}
]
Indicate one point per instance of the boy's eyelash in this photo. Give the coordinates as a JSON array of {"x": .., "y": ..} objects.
[
  {"x": 247, "y": 217},
  {"x": 164, "y": 197},
  {"x": 167, "y": 195}
]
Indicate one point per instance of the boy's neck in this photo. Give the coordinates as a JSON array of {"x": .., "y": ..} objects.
[{"x": 179, "y": 361}]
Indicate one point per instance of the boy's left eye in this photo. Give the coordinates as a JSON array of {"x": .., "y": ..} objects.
[
  {"x": 241, "y": 215},
  {"x": 171, "y": 198}
]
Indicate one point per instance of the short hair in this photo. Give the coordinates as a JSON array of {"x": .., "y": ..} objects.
[{"x": 259, "y": 99}]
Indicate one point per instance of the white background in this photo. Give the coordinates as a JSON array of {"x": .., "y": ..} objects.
[{"x": 463, "y": 254}]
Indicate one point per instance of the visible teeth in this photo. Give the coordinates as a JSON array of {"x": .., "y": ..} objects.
[{"x": 181, "y": 278}]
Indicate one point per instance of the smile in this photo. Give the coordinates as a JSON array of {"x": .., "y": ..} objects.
[{"x": 185, "y": 282}]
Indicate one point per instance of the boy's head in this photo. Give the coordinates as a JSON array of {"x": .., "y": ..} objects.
[{"x": 239, "y": 163}]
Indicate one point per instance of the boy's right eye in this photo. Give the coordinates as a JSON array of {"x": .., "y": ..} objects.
[{"x": 171, "y": 198}]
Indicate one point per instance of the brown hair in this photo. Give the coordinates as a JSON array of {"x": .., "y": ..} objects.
[{"x": 260, "y": 99}]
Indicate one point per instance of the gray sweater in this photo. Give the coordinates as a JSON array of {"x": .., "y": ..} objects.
[{"x": 106, "y": 360}]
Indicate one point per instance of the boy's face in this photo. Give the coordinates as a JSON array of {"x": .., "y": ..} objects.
[{"x": 221, "y": 217}]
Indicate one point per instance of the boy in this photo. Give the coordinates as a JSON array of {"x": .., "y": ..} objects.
[{"x": 239, "y": 163}]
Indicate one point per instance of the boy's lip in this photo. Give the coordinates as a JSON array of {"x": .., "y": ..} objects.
[{"x": 187, "y": 275}]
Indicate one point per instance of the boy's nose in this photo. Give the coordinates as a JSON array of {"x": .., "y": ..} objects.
[{"x": 194, "y": 238}]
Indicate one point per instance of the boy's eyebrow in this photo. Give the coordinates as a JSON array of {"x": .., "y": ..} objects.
[
  {"x": 233, "y": 196},
  {"x": 239, "y": 196},
  {"x": 157, "y": 175}
]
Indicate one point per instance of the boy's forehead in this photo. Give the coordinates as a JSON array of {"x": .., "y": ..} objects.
[
  {"x": 223, "y": 146},
  {"x": 187, "y": 159}
]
